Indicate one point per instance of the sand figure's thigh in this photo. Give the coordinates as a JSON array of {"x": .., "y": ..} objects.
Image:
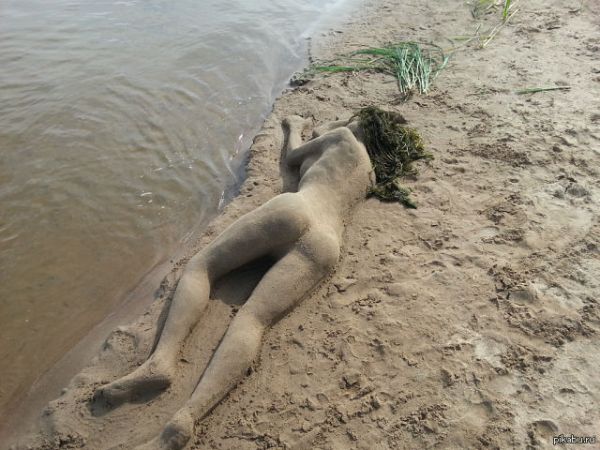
[
  {"x": 292, "y": 278},
  {"x": 267, "y": 229}
]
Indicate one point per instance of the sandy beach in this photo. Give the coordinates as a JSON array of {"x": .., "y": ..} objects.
[{"x": 469, "y": 322}]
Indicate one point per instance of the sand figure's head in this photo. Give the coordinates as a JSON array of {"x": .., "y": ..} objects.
[{"x": 392, "y": 147}]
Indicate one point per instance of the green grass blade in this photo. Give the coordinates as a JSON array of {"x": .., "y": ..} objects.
[
  {"x": 335, "y": 69},
  {"x": 505, "y": 10},
  {"x": 542, "y": 89},
  {"x": 413, "y": 64}
]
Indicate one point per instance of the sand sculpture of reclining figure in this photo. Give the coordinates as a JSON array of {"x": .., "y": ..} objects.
[{"x": 301, "y": 230}]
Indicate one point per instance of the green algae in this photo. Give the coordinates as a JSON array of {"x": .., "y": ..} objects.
[{"x": 393, "y": 148}]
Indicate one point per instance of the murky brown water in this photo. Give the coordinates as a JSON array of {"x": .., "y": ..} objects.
[{"x": 120, "y": 122}]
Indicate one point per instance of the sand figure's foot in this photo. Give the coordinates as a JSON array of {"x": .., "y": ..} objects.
[
  {"x": 153, "y": 375},
  {"x": 175, "y": 435}
]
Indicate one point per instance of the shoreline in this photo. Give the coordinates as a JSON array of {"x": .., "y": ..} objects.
[
  {"x": 455, "y": 324},
  {"x": 154, "y": 284},
  {"x": 183, "y": 153}
]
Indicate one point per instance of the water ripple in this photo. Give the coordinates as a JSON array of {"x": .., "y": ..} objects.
[{"x": 120, "y": 127}]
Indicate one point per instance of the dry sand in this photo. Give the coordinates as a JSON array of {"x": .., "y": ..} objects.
[{"x": 471, "y": 322}]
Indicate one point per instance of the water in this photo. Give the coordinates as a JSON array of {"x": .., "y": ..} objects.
[{"x": 121, "y": 124}]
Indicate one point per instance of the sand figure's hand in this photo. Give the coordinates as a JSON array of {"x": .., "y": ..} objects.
[
  {"x": 175, "y": 435},
  {"x": 294, "y": 127},
  {"x": 297, "y": 123}
]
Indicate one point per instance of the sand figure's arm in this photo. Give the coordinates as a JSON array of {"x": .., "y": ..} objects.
[
  {"x": 315, "y": 147},
  {"x": 295, "y": 152},
  {"x": 293, "y": 127},
  {"x": 321, "y": 130}
]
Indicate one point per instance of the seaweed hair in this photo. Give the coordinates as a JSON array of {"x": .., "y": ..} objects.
[{"x": 392, "y": 147}]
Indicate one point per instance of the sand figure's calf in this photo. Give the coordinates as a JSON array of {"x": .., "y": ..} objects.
[{"x": 301, "y": 230}]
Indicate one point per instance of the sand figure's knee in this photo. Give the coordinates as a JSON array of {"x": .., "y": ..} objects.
[
  {"x": 198, "y": 265},
  {"x": 194, "y": 284}
]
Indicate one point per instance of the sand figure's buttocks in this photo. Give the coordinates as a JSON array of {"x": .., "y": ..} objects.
[{"x": 301, "y": 230}]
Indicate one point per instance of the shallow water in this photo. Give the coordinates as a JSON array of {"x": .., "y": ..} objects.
[{"x": 121, "y": 125}]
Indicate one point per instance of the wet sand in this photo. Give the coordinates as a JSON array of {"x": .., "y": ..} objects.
[
  {"x": 471, "y": 322},
  {"x": 112, "y": 154}
]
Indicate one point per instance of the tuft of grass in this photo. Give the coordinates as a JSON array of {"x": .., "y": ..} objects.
[
  {"x": 414, "y": 65},
  {"x": 481, "y": 7},
  {"x": 542, "y": 89},
  {"x": 392, "y": 147},
  {"x": 492, "y": 34},
  {"x": 505, "y": 10}
]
